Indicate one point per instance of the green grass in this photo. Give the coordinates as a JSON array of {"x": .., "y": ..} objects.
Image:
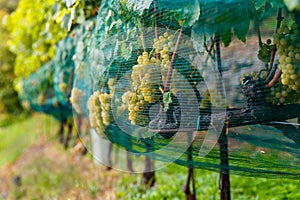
[
  {"x": 16, "y": 137},
  {"x": 171, "y": 180}
]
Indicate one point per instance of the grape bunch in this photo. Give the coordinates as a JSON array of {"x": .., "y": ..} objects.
[
  {"x": 264, "y": 53},
  {"x": 62, "y": 87},
  {"x": 94, "y": 108},
  {"x": 77, "y": 100},
  {"x": 146, "y": 80},
  {"x": 41, "y": 99},
  {"x": 254, "y": 76},
  {"x": 288, "y": 43},
  {"x": 99, "y": 106},
  {"x": 150, "y": 74}
]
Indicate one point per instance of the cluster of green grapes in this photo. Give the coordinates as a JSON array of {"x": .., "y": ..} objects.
[
  {"x": 41, "y": 99},
  {"x": 94, "y": 110},
  {"x": 254, "y": 75},
  {"x": 213, "y": 98},
  {"x": 282, "y": 94},
  {"x": 77, "y": 100},
  {"x": 99, "y": 105},
  {"x": 26, "y": 105},
  {"x": 62, "y": 86},
  {"x": 264, "y": 53},
  {"x": 145, "y": 78},
  {"x": 105, "y": 100},
  {"x": 149, "y": 76},
  {"x": 288, "y": 88}
]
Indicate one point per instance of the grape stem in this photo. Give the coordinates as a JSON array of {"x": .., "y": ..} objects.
[
  {"x": 170, "y": 71},
  {"x": 274, "y": 79},
  {"x": 258, "y": 33},
  {"x": 274, "y": 49}
]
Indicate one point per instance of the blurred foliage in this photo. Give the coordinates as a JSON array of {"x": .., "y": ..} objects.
[
  {"x": 75, "y": 12},
  {"x": 9, "y": 6},
  {"x": 292, "y": 4},
  {"x": 9, "y": 102},
  {"x": 37, "y": 26},
  {"x": 34, "y": 34}
]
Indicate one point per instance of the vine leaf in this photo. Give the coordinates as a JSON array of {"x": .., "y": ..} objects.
[
  {"x": 187, "y": 11},
  {"x": 259, "y": 4},
  {"x": 278, "y": 3},
  {"x": 241, "y": 30},
  {"x": 198, "y": 38},
  {"x": 139, "y": 5},
  {"x": 167, "y": 100},
  {"x": 226, "y": 36}
]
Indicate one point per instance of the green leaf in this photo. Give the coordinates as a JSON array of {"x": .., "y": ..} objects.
[
  {"x": 186, "y": 11},
  {"x": 167, "y": 100},
  {"x": 278, "y": 3},
  {"x": 226, "y": 37},
  {"x": 259, "y": 3},
  {"x": 241, "y": 30},
  {"x": 139, "y": 5},
  {"x": 198, "y": 38},
  {"x": 192, "y": 12}
]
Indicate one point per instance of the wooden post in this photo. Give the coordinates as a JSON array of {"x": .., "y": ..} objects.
[
  {"x": 108, "y": 156},
  {"x": 224, "y": 167},
  {"x": 149, "y": 173},
  {"x": 190, "y": 195},
  {"x": 61, "y": 131},
  {"x": 66, "y": 142},
  {"x": 129, "y": 161}
]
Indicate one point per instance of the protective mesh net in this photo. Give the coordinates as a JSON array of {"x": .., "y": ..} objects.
[
  {"x": 48, "y": 89},
  {"x": 64, "y": 69},
  {"x": 166, "y": 85},
  {"x": 38, "y": 93},
  {"x": 82, "y": 85}
]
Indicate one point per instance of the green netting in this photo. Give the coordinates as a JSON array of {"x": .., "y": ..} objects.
[
  {"x": 205, "y": 104},
  {"x": 38, "y": 93},
  {"x": 48, "y": 90},
  {"x": 64, "y": 69},
  {"x": 82, "y": 85}
]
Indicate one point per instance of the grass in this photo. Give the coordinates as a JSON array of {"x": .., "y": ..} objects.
[
  {"x": 16, "y": 137},
  {"x": 171, "y": 180}
]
